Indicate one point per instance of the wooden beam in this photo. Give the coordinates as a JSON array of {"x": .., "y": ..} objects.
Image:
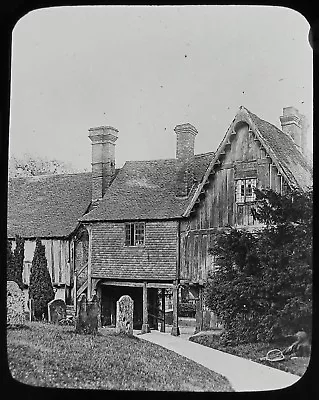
[
  {"x": 163, "y": 311},
  {"x": 199, "y": 311},
  {"x": 89, "y": 290},
  {"x": 175, "y": 328},
  {"x": 82, "y": 288},
  {"x": 145, "y": 326},
  {"x": 156, "y": 285},
  {"x": 99, "y": 296},
  {"x": 81, "y": 269},
  {"x": 121, "y": 283}
]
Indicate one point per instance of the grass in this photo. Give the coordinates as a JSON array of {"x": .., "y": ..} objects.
[
  {"x": 48, "y": 355},
  {"x": 255, "y": 351}
]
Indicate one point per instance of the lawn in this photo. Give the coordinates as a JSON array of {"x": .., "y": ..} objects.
[
  {"x": 255, "y": 351},
  {"x": 48, "y": 355}
]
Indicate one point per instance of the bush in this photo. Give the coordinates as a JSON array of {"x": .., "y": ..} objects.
[
  {"x": 40, "y": 289},
  {"x": 15, "y": 261},
  {"x": 263, "y": 286},
  {"x": 186, "y": 310}
]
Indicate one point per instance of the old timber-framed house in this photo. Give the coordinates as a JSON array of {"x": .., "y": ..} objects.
[{"x": 148, "y": 226}]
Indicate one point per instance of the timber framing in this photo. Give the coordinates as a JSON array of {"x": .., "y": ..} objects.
[
  {"x": 149, "y": 285},
  {"x": 243, "y": 116}
]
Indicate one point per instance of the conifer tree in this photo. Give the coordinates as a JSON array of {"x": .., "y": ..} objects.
[
  {"x": 18, "y": 256},
  {"x": 40, "y": 288}
]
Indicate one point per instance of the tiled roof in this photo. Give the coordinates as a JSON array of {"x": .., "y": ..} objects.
[
  {"x": 146, "y": 190},
  {"x": 294, "y": 164},
  {"x": 47, "y": 205}
]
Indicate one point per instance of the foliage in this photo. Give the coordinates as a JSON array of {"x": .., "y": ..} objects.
[
  {"x": 31, "y": 165},
  {"x": 40, "y": 288},
  {"x": 263, "y": 286},
  {"x": 15, "y": 261}
]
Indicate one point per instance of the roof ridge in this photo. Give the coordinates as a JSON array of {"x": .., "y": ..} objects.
[
  {"x": 157, "y": 159},
  {"x": 49, "y": 175},
  {"x": 168, "y": 159}
]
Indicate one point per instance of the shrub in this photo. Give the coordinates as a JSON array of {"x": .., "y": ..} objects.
[
  {"x": 263, "y": 286},
  {"x": 40, "y": 288},
  {"x": 15, "y": 261}
]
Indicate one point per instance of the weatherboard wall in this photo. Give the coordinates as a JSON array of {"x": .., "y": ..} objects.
[
  {"x": 57, "y": 256},
  {"x": 244, "y": 158}
]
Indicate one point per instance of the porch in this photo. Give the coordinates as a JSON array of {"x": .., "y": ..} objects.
[{"x": 149, "y": 303}]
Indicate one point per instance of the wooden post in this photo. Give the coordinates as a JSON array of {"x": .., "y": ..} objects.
[
  {"x": 155, "y": 308},
  {"x": 99, "y": 297},
  {"x": 145, "y": 326},
  {"x": 89, "y": 288},
  {"x": 175, "y": 327},
  {"x": 199, "y": 311},
  {"x": 163, "y": 311},
  {"x": 74, "y": 290}
]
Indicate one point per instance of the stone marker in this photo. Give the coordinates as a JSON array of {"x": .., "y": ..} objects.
[
  {"x": 15, "y": 304},
  {"x": 81, "y": 315},
  {"x": 56, "y": 310},
  {"x": 87, "y": 315},
  {"x": 93, "y": 312},
  {"x": 124, "y": 315}
]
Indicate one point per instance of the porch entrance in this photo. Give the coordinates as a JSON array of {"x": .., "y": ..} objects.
[{"x": 111, "y": 294}]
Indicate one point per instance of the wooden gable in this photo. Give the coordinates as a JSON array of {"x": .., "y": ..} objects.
[{"x": 225, "y": 197}]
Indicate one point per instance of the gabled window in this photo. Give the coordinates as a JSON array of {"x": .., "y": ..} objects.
[
  {"x": 245, "y": 190},
  {"x": 134, "y": 234}
]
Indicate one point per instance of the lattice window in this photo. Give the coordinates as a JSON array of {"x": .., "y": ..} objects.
[
  {"x": 134, "y": 234},
  {"x": 245, "y": 190}
]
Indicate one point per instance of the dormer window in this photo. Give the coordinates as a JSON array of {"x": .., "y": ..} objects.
[{"x": 134, "y": 234}]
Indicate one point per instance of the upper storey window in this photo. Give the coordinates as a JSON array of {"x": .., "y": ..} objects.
[
  {"x": 134, "y": 234},
  {"x": 245, "y": 190}
]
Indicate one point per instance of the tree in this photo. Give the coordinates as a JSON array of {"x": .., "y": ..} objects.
[
  {"x": 263, "y": 286},
  {"x": 40, "y": 288},
  {"x": 15, "y": 261},
  {"x": 10, "y": 269},
  {"x": 31, "y": 165}
]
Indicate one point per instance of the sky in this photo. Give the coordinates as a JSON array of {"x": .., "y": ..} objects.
[{"x": 144, "y": 70}]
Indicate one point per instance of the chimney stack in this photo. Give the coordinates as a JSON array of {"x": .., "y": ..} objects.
[
  {"x": 185, "y": 142},
  {"x": 103, "y": 140},
  {"x": 295, "y": 125}
]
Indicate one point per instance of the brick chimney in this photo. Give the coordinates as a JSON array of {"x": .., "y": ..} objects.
[
  {"x": 185, "y": 141},
  {"x": 103, "y": 140},
  {"x": 295, "y": 125}
]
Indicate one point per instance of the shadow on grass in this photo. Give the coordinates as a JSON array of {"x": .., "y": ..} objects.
[
  {"x": 105, "y": 333},
  {"x": 18, "y": 327}
]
